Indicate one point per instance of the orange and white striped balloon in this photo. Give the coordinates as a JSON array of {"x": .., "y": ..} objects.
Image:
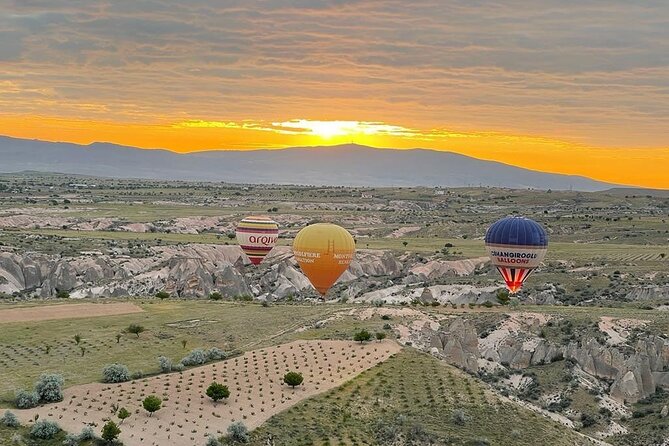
[{"x": 257, "y": 236}]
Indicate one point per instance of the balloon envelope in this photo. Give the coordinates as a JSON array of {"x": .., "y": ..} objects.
[
  {"x": 516, "y": 246},
  {"x": 324, "y": 252},
  {"x": 257, "y": 236}
]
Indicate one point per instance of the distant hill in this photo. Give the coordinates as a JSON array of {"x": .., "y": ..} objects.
[{"x": 344, "y": 165}]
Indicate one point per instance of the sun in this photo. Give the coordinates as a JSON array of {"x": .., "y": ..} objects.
[{"x": 322, "y": 129}]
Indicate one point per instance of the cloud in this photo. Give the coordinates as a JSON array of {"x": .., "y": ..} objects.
[{"x": 590, "y": 71}]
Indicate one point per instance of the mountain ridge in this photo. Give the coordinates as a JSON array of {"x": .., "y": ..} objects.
[{"x": 341, "y": 165}]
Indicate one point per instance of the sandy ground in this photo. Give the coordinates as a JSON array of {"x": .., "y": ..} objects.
[
  {"x": 619, "y": 330},
  {"x": 188, "y": 415},
  {"x": 68, "y": 311}
]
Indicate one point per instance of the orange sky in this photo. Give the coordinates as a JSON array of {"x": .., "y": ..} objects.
[
  {"x": 578, "y": 88},
  {"x": 632, "y": 166}
]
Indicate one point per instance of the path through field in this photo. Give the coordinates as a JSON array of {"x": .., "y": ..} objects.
[{"x": 66, "y": 311}]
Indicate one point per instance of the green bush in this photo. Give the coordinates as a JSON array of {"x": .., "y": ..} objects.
[
  {"x": 10, "y": 420},
  {"x": 49, "y": 388},
  {"x": 293, "y": 379},
  {"x": 162, "y": 295},
  {"x": 135, "y": 329},
  {"x": 110, "y": 431},
  {"x": 152, "y": 404},
  {"x": 195, "y": 357},
  {"x": 212, "y": 441},
  {"x": 115, "y": 373},
  {"x": 215, "y": 296},
  {"x": 165, "y": 364},
  {"x": 45, "y": 430},
  {"x": 217, "y": 391},
  {"x": 238, "y": 433},
  {"x": 362, "y": 336},
  {"x": 26, "y": 400}
]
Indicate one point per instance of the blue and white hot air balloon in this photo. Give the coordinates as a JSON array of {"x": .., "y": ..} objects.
[{"x": 516, "y": 246}]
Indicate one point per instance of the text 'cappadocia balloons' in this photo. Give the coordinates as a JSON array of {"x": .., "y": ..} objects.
[
  {"x": 324, "y": 252},
  {"x": 257, "y": 236},
  {"x": 516, "y": 246}
]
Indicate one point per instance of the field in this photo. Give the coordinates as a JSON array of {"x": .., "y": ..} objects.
[
  {"x": 187, "y": 416},
  {"x": 30, "y": 349}
]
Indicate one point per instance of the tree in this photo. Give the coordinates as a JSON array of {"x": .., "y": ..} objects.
[
  {"x": 362, "y": 336},
  {"x": 215, "y": 296},
  {"x": 118, "y": 337},
  {"x": 123, "y": 414},
  {"x": 162, "y": 295},
  {"x": 405, "y": 243},
  {"x": 217, "y": 391},
  {"x": 135, "y": 329},
  {"x": 152, "y": 404},
  {"x": 77, "y": 338},
  {"x": 293, "y": 379},
  {"x": 380, "y": 336},
  {"x": 110, "y": 432},
  {"x": 503, "y": 297}
]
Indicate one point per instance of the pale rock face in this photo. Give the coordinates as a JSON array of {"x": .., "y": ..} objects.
[
  {"x": 648, "y": 293},
  {"x": 437, "y": 268},
  {"x": 458, "y": 344}
]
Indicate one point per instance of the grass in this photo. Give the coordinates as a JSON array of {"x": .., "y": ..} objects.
[
  {"x": 411, "y": 396},
  {"x": 229, "y": 326}
]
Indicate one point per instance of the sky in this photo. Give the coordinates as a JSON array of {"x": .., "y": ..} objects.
[{"x": 566, "y": 86}]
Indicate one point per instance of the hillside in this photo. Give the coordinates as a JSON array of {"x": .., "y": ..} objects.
[{"x": 346, "y": 165}]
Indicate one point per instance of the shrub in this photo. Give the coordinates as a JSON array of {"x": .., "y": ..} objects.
[
  {"x": 178, "y": 368},
  {"x": 217, "y": 391},
  {"x": 487, "y": 304},
  {"x": 385, "y": 317},
  {"x": 386, "y": 326},
  {"x": 162, "y": 295},
  {"x": 110, "y": 431},
  {"x": 152, "y": 404},
  {"x": 195, "y": 357},
  {"x": 215, "y": 296},
  {"x": 87, "y": 434},
  {"x": 212, "y": 441},
  {"x": 77, "y": 338},
  {"x": 459, "y": 417},
  {"x": 165, "y": 364},
  {"x": 135, "y": 329},
  {"x": 71, "y": 440},
  {"x": 215, "y": 354},
  {"x": 44, "y": 430},
  {"x": 115, "y": 373},
  {"x": 123, "y": 414},
  {"x": 137, "y": 375},
  {"x": 26, "y": 400},
  {"x": 49, "y": 388},
  {"x": 362, "y": 336},
  {"x": 10, "y": 420},
  {"x": 293, "y": 379},
  {"x": 238, "y": 432},
  {"x": 380, "y": 336},
  {"x": 62, "y": 294}
]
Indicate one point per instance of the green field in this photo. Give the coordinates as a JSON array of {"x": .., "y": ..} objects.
[{"x": 411, "y": 398}]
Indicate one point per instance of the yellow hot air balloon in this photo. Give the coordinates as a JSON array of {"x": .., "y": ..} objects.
[{"x": 324, "y": 252}]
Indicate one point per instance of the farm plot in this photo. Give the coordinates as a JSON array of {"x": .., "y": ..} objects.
[
  {"x": 79, "y": 348},
  {"x": 255, "y": 380}
]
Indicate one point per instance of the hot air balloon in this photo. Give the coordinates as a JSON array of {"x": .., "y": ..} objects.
[
  {"x": 324, "y": 252},
  {"x": 516, "y": 246},
  {"x": 257, "y": 236}
]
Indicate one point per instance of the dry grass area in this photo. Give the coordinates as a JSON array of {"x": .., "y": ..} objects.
[
  {"x": 67, "y": 311},
  {"x": 255, "y": 380}
]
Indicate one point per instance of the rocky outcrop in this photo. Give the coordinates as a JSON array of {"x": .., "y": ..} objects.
[
  {"x": 649, "y": 293},
  {"x": 458, "y": 344},
  {"x": 437, "y": 268}
]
